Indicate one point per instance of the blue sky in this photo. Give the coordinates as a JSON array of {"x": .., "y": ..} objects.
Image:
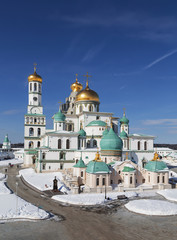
[{"x": 129, "y": 48}]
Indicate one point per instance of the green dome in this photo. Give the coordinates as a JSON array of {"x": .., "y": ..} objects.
[
  {"x": 128, "y": 168},
  {"x": 97, "y": 123},
  {"x": 82, "y": 133},
  {"x": 124, "y": 120},
  {"x": 123, "y": 134},
  {"x": 59, "y": 116},
  {"x": 80, "y": 164},
  {"x": 111, "y": 141},
  {"x": 6, "y": 140},
  {"x": 155, "y": 166},
  {"x": 97, "y": 167},
  {"x": 105, "y": 132}
]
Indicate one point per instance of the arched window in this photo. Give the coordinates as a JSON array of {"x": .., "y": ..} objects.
[
  {"x": 90, "y": 108},
  {"x": 138, "y": 145},
  {"x": 88, "y": 143},
  {"x": 38, "y": 132},
  {"x": 163, "y": 179},
  {"x": 39, "y": 87},
  {"x": 145, "y": 146},
  {"x": 38, "y": 144},
  {"x": 43, "y": 155},
  {"x": 158, "y": 179},
  {"x": 35, "y": 87},
  {"x": 97, "y": 181},
  {"x": 27, "y": 120},
  {"x": 94, "y": 143},
  {"x": 80, "y": 109},
  {"x": 82, "y": 174},
  {"x": 131, "y": 180},
  {"x": 103, "y": 181},
  {"x": 61, "y": 155},
  {"x": 67, "y": 144},
  {"x": 70, "y": 127},
  {"x": 35, "y": 120},
  {"x": 30, "y": 87},
  {"x": 31, "y": 144},
  {"x": 59, "y": 143},
  {"x": 31, "y": 131}
]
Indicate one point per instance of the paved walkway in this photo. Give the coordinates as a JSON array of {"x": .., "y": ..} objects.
[{"x": 77, "y": 223}]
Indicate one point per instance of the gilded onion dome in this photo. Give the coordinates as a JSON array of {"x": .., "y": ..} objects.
[
  {"x": 34, "y": 77},
  {"x": 76, "y": 87},
  {"x": 87, "y": 95}
]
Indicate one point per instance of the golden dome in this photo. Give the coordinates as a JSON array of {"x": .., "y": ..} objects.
[
  {"x": 76, "y": 87},
  {"x": 87, "y": 95},
  {"x": 34, "y": 77}
]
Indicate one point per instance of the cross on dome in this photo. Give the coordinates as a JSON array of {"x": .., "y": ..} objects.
[
  {"x": 87, "y": 76},
  {"x": 35, "y": 64}
]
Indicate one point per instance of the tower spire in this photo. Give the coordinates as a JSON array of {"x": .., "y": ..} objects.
[
  {"x": 124, "y": 111},
  {"x": 87, "y": 76},
  {"x": 35, "y": 64},
  {"x": 76, "y": 78}
]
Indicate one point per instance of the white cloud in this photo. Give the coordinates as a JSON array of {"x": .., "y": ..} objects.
[
  {"x": 92, "y": 52},
  {"x": 11, "y": 112},
  {"x": 160, "y": 122},
  {"x": 160, "y": 59}
]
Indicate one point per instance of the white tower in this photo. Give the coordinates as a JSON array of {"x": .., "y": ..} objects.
[{"x": 35, "y": 121}]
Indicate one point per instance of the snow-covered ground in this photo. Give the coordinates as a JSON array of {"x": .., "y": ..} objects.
[
  {"x": 13, "y": 161},
  {"x": 13, "y": 207},
  {"x": 152, "y": 207},
  {"x": 42, "y": 181},
  {"x": 90, "y": 198},
  {"x": 170, "y": 194}
]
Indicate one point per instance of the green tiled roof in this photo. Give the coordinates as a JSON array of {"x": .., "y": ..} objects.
[
  {"x": 6, "y": 140},
  {"x": 80, "y": 164},
  {"x": 59, "y": 116},
  {"x": 128, "y": 169},
  {"x": 96, "y": 167},
  {"x": 123, "y": 134},
  {"x": 97, "y": 123},
  {"x": 155, "y": 166},
  {"x": 111, "y": 141},
  {"x": 82, "y": 133},
  {"x": 124, "y": 120},
  {"x": 105, "y": 132}
]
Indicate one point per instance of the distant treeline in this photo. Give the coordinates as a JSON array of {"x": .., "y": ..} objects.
[
  {"x": 15, "y": 145},
  {"x": 172, "y": 146}
]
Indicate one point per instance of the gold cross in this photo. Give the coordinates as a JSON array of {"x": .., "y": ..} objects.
[
  {"x": 124, "y": 110},
  {"x": 76, "y": 77},
  {"x": 35, "y": 64},
  {"x": 87, "y": 76},
  {"x": 59, "y": 104},
  {"x": 126, "y": 155}
]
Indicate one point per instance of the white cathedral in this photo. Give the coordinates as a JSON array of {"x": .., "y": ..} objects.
[{"x": 79, "y": 129}]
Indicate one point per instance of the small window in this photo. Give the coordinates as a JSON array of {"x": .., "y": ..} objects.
[
  {"x": 138, "y": 145},
  {"x": 131, "y": 180},
  {"x": 35, "y": 87},
  {"x": 82, "y": 174},
  {"x": 97, "y": 181},
  {"x": 103, "y": 181},
  {"x": 158, "y": 179},
  {"x": 163, "y": 179},
  {"x": 97, "y": 117}
]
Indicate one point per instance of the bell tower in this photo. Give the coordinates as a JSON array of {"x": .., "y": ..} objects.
[{"x": 35, "y": 121}]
